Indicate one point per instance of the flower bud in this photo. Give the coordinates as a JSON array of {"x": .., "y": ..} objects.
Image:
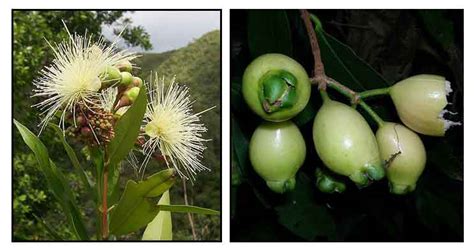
[
  {"x": 110, "y": 76},
  {"x": 137, "y": 82},
  {"x": 346, "y": 144},
  {"x": 127, "y": 78},
  {"x": 420, "y": 101},
  {"x": 277, "y": 151},
  {"x": 86, "y": 131},
  {"x": 132, "y": 93},
  {"x": 404, "y": 155},
  {"x": 124, "y": 66}
]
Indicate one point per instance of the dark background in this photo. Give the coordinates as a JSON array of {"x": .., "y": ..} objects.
[{"x": 396, "y": 44}]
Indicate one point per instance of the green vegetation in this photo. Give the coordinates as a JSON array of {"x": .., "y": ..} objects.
[
  {"x": 35, "y": 211},
  {"x": 198, "y": 66}
]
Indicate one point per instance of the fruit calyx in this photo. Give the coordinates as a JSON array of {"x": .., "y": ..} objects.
[{"x": 278, "y": 90}]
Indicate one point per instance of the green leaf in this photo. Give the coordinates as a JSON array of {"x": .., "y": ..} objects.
[
  {"x": 268, "y": 32},
  {"x": 301, "y": 215},
  {"x": 187, "y": 209},
  {"x": 49, "y": 229},
  {"x": 160, "y": 228},
  {"x": 56, "y": 181},
  {"x": 240, "y": 146},
  {"x": 342, "y": 63},
  {"x": 136, "y": 208},
  {"x": 74, "y": 160},
  {"x": 127, "y": 130},
  {"x": 439, "y": 26}
]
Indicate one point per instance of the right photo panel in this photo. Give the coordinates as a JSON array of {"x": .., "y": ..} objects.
[{"x": 347, "y": 125}]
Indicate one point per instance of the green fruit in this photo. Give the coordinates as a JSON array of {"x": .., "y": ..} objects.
[
  {"x": 127, "y": 78},
  {"x": 277, "y": 151},
  {"x": 420, "y": 101},
  {"x": 276, "y": 87},
  {"x": 404, "y": 154},
  {"x": 110, "y": 76},
  {"x": 346, "y": 144},
  {"x": 124, "y": 66}
]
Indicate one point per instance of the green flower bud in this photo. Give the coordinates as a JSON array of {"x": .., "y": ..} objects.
[
  {"x": 127, "y": 78},
  {"x": 346, "y": 144},
  {"x": 420, "y": 101},
  {"x": 277, "y": 151},
  {"x": 276, "y": 87},
  {"x": 132, "y": 93},
  {"x": 124, "y": 66},
  {"x": 110, "y": 76},
  {"x": 137, "y": 82},
  {"x": 404, "y": 155}
]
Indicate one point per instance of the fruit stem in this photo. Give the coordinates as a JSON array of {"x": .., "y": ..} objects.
[
  {"x": 324, "y": 95},
  {"x": 372, "y": 113},
  {"x": 374, "y": 92}
]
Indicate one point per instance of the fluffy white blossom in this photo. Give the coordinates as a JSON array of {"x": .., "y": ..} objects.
[
  {"x": 172, "y": 129},
  {"x": 74, "y": 75}
]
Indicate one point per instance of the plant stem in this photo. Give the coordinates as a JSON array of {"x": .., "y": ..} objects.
[
  {"x": 372, "y": 113},
  {"x": 323, "y": 81},
  {"x": 318, "y": 63},
  {"x": 374, "y": 92},
  {"x": 105, "y": 224},
  {"x": 324, "y": 95},
  {"x": 190, "y": 217}
]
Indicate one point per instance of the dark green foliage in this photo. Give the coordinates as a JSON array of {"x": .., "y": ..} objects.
[{"x": 362, "y": 49}]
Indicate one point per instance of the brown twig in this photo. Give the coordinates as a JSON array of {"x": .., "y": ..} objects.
[
  {"x": 319, "y": 73},
  {"x": 190, "y": 217}
]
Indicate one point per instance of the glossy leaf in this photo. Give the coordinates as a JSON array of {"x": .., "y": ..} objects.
[
  {"x": 342, "y": 63},
  {"x": 241, "y": 147},
  {"x": 302, "y": 216},
  {"x": 74, "y": 160},
  {"x": 268, "y": 32},
  {"x": 135, "y": 208},
  {"x": 187, "y": 209},
  {"x": 127, "y": 130},
  {"x": 160, "y": 228},
  {"x": 56, "y": 181}
]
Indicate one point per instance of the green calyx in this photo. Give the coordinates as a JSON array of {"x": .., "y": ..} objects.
[
  {"x": 367, "y": 175},
  {"x": 278, "y": 90},
  {"x": 282, "y": 186},
  {"x": 328, "y": 184},
  {"x": 401, "y": 189}
]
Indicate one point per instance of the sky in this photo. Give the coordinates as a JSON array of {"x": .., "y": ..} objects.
[{"x": 171, "y": 29}]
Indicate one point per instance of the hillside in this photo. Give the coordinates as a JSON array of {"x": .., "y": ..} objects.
[{"x": 198, "y": 66}]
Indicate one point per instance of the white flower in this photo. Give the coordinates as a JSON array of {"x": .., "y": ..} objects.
[
  {"x": 75, "y": 75},
  {"x": 107, "y": 98},
  {"x": 172, "y": 128}
]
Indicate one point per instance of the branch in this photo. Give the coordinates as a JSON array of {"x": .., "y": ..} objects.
[{"x": 320, "y": 76}]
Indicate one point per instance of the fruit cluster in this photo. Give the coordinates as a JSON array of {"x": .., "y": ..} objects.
[{"x": 277, "y": 88}]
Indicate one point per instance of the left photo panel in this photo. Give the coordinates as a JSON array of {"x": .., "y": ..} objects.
[{"x": 116, "y": 127}]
